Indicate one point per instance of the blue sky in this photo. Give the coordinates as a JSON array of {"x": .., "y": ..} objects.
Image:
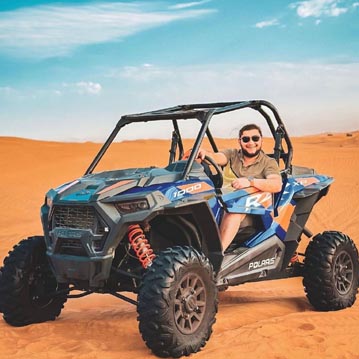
[{"x": 70, "y": 69}]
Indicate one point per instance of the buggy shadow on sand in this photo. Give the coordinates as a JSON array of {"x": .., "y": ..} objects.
[{"x": 154, "y": 231}]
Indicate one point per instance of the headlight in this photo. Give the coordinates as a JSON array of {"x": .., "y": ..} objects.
[
  {"x": 48, "y": 201},
  {"x": 132, "y": 206}
]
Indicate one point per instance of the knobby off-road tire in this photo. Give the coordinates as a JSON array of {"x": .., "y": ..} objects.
[
  {"x": 25, "y": 284},
  {"x": 177, "y": 302},
  {"x": 330, "y": 275}
]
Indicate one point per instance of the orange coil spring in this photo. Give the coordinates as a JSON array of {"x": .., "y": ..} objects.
[{"x": 140, "y": 245}]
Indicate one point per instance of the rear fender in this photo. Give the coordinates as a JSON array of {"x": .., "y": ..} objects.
[
  {"x": 301, "y": 194},
  {"x": 307, "y": 185}
]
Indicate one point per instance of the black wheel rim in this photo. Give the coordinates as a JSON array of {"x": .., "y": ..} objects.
[
  {"x": 40, "y": 285},
  {"x": 343, "y": 272},
  {"x": 190, "y": 303}
]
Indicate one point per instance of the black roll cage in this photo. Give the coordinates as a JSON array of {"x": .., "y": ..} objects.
[{"x": 204, "y": 112}]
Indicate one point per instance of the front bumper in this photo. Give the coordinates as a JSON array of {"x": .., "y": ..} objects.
[{"x": 81, "y": 271}]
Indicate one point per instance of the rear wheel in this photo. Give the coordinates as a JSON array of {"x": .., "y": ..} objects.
[
  {"x": 26, "y": 284},
  {"x": 331, "y": 271},
  {"x": 177, "y": 302}
]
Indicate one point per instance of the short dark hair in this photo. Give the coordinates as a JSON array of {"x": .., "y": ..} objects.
[{"x": 248, "y": 127}]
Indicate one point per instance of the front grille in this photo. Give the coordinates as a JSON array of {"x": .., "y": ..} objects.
[{"x": 78, "y": 217}]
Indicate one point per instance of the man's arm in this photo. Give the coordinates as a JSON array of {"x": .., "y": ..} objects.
[
  {"x": 218, "y": 157},
  {"x": 273, "y": 183}
]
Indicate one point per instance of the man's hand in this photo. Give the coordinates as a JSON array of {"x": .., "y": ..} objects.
[
  {"x": 240, "y": 183},
  {"x": 202, "y": 153}
]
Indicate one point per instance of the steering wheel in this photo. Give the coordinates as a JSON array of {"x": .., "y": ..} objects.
[{"x": 217, "y": 177}]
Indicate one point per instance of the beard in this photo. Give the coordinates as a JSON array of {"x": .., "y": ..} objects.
[{"x": 250, "y": 155}]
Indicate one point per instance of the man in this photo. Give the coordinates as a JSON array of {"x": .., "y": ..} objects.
[{"x": 249, "y": 166}]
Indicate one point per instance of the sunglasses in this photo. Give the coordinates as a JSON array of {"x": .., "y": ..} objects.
[{"x": 246, "y": 139}]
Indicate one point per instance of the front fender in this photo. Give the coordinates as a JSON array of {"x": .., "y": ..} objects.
[{"x": 203, "y": 226}]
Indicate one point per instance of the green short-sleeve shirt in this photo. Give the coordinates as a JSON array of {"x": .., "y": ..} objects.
[{"x": 261, "y": 168}]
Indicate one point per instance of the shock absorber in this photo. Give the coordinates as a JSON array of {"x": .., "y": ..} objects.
[{"x": 140, "y": 245}]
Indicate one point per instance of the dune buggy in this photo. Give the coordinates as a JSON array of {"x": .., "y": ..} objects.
[{"x": 153, "y": 231}]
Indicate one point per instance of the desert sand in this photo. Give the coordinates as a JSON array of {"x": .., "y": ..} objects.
[{"x": 271, "y": 320}]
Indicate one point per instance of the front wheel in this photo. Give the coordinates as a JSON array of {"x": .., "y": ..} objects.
[
  {"x": 177, "y": 302},
  {"x": 330, "y": 275},
  {"x": 28, "y": 286}
]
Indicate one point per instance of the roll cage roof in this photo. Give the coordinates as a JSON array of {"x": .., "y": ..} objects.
[{"x": 204, "y": 112}]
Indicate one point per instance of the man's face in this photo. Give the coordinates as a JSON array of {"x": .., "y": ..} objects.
[{"x": 250, "y": 143}]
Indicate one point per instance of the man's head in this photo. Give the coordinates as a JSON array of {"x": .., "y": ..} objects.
[{"x": 250, "y": 140}]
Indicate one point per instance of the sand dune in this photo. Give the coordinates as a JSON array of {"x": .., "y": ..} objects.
[{"x": 258, "y": 320}]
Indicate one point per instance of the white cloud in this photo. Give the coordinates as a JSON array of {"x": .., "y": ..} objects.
[
  {"x": 263, "y": 24},
  {"x": 88, "y": 88},
  {"x": 318, "y": 8},
  {"x": 355, "y": 5},
  {"x": 83, "y": 87},
  {"x": 7, "y": 90},
  {"x": 144, "y": 72},
  {"x": 47, "y": 31},
  {"x": 188, "y": 4}
]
